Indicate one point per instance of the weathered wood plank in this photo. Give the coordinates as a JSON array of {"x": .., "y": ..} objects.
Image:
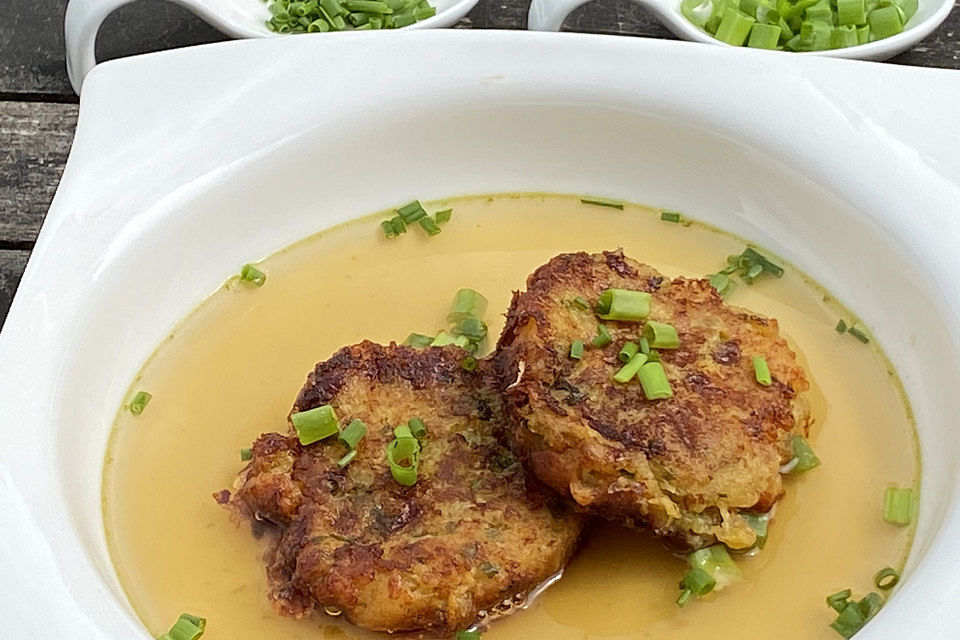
[
  {"x": 12, "y": 264},
  {"x": 35, "y": 139}
]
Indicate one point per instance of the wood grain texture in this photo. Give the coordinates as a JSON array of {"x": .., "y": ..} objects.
[
  {"x": 35, "y": 139},
  {"x": 12, "y": 264}
]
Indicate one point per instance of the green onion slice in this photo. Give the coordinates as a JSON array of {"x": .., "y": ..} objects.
[
  {"x": 429, "y": 224},
  {"x": 417, "y": 427},
  {"x": 315, "y": 424},
  {"x": 899, "y": 505},
  {"x": 699, "y": 581},
  {"x": 629, "y": 370},
  {"x": 469, "y": 363},
  {"x": 246, "y": 454},
  {"x": 653, "y": 380},
  {"x": 670, "y": 216},
  {"x": 473, "y": 328},
  {"x": 841, "y": 326},
  {"x": 838, "y": 601},
  {"x": 759, "y": 523},
  {"x": 859, "y": 332},
  {"x": 661, "y": 335},
  {"x": 717, "y": 563},
  {"x": 644, "y": 345},
  {"x": 418, "y": 340},
  {"x": 187, "y": 627},
  {"x": 403, "y": 431},
  {"x": 576, "y": 349},
  {"x": 139, "y": 402},
  {"x": 347, "y": 459},
  {"x": 603, "y": 202},
  {"x": 886, "y": 578},
  {"x": 468, "y": 635},
  {"x": 803, "y": 459},
  {"x": 403, "y": 457},
  {"x": 850, "y": 620},
  {"x": 761, "y": 371},
  {"x": 602, "y": 338},
  {"x": 445, "y": 338},
  {"x": 624, "y": 305},
  {"x": 443, "y": 216},
  {"x": 412, "y": 212},
  {"x": 467, "y": 303},
  {"x": 351, "y": 435},
  {"x": 581, "y": 302},
  {"x": 627, "y": 351},
  {"x": 722, "y": 283},
  {"x": 252, "y": 275}
]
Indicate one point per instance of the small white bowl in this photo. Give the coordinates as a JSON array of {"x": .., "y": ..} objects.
[
  {"x": 236, "y": 18},
  {"x": 548, "y": 15}
]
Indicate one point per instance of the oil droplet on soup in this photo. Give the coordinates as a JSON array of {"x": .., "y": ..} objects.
[{"x": 237, "y": 362}]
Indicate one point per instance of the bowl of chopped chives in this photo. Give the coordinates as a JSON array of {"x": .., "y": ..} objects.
[
  {"x": 264, "y": 18},
  {"x": 861, "y": 29}
]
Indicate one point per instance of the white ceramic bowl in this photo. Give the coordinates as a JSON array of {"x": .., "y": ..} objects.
[
  {"x": 548, "y": 15},
  {"x": 236, "y": 18},
  {"x": 174, "y": 164}
]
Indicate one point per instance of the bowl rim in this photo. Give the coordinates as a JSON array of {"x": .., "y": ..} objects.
[{"x": 122, "y": 113}]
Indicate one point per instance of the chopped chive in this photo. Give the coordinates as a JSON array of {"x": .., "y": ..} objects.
[
  {"x": 389, "y": 229},
  {"x": 858, "y": 332},
  {"x": 347, "y": 459},
  {"x": 898, "y": 505},
  {"x": 885, "y": 22},
  {"x": 602, "y": 338},
  {"x": 627, "y": 371},
  {"x": 368, "y": 6},
  {"x": 805, "y": 458},
  {"x": 576, "y": 349},
  {"x": 624, "y": 305},
  {"x": 352, "y": 434},
  {"x": 841, "y": 326},
  {"x": 187, "y": 627},
  {"x": 759, "y": 523},
  {"x": 661, "y": 335},
  {"x": 444, "y": 338},
  {"x": 644, "y": 346},
  {"x": 443, "y": 216},
  {"x": 412, "y": 212},
  {"x": 403, "y": 457},
  {"x": 722, "y": 283},
  {"x": 581, "y": 303},
  {"x": 139, "y": 402},
  {"x": 468, "y": 635},
  {"x": 469, "y": 363},
  {"x": 418, "y": 340},
  {"x": 750, "y": 265},
  {"x": 251, "y": 274},
  {"x": 886, "y": 578},
  {"x": 698, "y": 581},
  {"x": 685, "y": 595},
  {"x": 670, "y": 216},
  {"x": 850, "y": 620},
  {"x": 765, "y": 36},
  {"x": 603, "y": 202},
  {"x": 417, "y": 427},
  {"x": 870, "y": 604},
  {"x": 403, "y": 431},
  {"x": 717, "y": 563},
  {"x": 473, "y": 328},
  {"x": 627, "y": 351},
  {"x": 467, "y": 303},
  {"x": 654, "y": 381},
  {"x": 838, "y": 601},
  {"x": 761, "y": 371},
  {"x": 429, "y": 225},
  {"x": 315, "y": 424},
  {"x": 246, "y": 454},
  {"x": 734, "y": 27}
]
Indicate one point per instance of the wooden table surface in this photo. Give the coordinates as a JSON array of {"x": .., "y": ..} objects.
[{"x": 38, "y": 110}]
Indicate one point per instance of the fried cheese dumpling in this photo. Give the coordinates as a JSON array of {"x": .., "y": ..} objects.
[
  {"x": 469, "y": 532},
  {"x": 686, "y": 466}
]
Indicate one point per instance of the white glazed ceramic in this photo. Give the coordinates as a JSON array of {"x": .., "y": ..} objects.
[
  {"x": 548, "y": 15},
  {"x": 173, "y": 181},
  {"x": 236, "y": 18}
]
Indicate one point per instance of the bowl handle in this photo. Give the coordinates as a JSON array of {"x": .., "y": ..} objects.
[
  {"x": 80, "y": 27},
  {"x": 548, "y": 15}
]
